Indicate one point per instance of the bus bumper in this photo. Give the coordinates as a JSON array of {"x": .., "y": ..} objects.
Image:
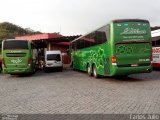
[
  {"x": 16, "y": 71},
  {"x": 131, "y": 70}
]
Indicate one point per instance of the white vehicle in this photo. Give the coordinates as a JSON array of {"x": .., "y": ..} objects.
[
  {"x": 156, "y": 57},
  {"x": 156, "y": 48},
  {"x": 53, "y": 59}
]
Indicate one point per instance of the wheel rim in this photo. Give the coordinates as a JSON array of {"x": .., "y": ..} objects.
[
  {"x": 94, "y": 71},
  {"x": 89, "y": 70}
]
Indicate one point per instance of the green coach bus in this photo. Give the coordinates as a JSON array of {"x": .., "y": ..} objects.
[
  {"x": 18, "y": 56},
  {"x": 121, "y": 47}
]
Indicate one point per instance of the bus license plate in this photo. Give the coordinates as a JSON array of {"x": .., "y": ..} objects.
[{"x": 134, "y": 65}]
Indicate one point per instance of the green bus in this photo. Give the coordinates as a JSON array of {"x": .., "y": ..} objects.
[
  {"x": 121, "y": 47},
  {"x": 19, "y": 56}
]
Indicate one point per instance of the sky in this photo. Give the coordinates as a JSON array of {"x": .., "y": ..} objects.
[{"x": 75, "y": 17}]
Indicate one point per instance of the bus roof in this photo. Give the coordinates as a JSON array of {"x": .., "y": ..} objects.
[
  {"x": 114, "y": 21},
  {"x": 128, "y": 20}
]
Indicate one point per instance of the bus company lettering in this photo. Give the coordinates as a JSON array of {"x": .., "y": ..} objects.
[
  {"x": 16, "y": 61},
  {"x": 15, "y": 51},
  {"x": 133, "y": 31},
  {"x": 133, "y": 37},
  {"x": 156, "y": 50}
]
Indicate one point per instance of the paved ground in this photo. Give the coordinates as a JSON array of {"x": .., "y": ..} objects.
[{"x": 75, "y": 92}]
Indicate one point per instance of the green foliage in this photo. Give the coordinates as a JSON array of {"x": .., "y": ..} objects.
[{"x": 10, "y": 31}]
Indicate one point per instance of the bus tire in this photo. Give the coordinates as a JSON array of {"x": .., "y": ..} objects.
[
  {"x": 95, "y": 74},
  {"x": 89, "y": 70}
]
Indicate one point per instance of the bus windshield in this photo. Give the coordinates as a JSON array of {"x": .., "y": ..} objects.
[
  {"x": 15, "y": 44},
  {"x": 131, "y": 31}
]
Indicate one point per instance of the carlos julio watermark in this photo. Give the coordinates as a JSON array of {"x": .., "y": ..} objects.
[{"x": 80, "y": 117}]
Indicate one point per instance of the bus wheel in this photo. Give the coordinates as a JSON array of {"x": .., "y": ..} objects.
[
  {"x": 95, "y": 71},
  {"x": 89, "y": 70}
]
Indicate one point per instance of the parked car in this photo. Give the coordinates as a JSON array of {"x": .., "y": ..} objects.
[{"x": 53, "y": 60}]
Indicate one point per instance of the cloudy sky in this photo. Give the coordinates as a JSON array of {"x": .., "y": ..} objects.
[{"x": 73, "y": 17}]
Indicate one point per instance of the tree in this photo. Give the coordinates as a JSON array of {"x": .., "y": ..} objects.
[{"x": 10, "y": 31}]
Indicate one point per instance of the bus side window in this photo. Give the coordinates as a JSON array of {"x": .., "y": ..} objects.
[
  {"x": 78, "y": 44},
  {"x": 81, "y": 44},
  {"x": 108, "y": 32},
  {"x": 87, "y": 41},
  {"x": 105, "y": 35},
  {"x": 101, "y": 36},
  {"x": 74, "y": 46},
  {"x": 93, "y": 38},
  {"x": 87, "y": 44}
]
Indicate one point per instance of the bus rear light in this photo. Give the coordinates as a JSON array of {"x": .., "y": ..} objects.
[
  {"x": 114, "y": 60},
  {"x": 29, "y": 61},
  {"x": 3, "y": 63}
]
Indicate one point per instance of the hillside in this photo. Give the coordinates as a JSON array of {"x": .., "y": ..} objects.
[{"x": 10, "y": 30}]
